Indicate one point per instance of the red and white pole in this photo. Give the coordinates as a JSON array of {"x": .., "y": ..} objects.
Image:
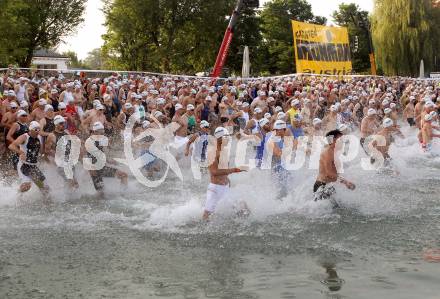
[{"x": 227, "y": 39}]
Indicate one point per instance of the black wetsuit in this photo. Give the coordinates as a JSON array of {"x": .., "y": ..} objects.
[
  {"x": 29, "y": 167},
  {"x": 98, "y": 175},
  {"x": 22, "y": 129},
  {"x": 49, "y": 127}
]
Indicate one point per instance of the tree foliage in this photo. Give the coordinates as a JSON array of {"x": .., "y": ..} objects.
[
  {"x": 185, "y": 35},
  {"x": 357, "y": 22},
  {"x": 31, "y": 24},
  {"x": 165, "y": 35},
  {"x": 247, "y": 33},
  {"x": 74, "y": 61},
  {"x": 12, "y": 43},
  {"x": 404, "y": 32},
  {"x": 95, "y": 60},
  {"x": 277, "y": 32}
]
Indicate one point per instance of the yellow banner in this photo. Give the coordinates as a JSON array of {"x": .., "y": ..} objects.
[{"x": 321, "y": 50}]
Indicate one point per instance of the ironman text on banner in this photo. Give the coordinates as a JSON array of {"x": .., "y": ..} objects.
[{"x": 321, "y": 50}]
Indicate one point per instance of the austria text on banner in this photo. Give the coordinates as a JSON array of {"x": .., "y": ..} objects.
[{"x": 321, "y": 49}]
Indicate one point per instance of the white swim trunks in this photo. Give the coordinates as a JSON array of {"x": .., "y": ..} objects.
[{"x": 214, "y": 195}]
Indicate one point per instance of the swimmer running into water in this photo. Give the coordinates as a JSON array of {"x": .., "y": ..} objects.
[
  {"x": 327, "y": 169},
  {"x": 219, "y": 186}
]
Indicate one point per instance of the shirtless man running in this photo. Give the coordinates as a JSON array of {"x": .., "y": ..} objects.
[
  {"x": 219, "y": 186},
  {"x": 386, "y": 132},
  {"x": 427, "y": 132},
  {"x": 368, "y": 125},
  {"x": 327, "y": 169}
]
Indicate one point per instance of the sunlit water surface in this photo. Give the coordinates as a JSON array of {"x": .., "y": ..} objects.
[{"x": 150, "y": 243}]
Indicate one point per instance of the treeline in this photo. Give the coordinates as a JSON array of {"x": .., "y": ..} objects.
[
  {"x": 183, "y": 36},
  {"x": 406, "y": 31},
  {"x": 26, "y": 25}
]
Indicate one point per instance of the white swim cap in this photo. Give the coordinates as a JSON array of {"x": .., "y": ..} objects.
[
  {"x": 281, "y": 115},
  {"x": 316, "y": 121},
  {"x": 295, "y": 103},
  {"x": 387, "y": 111},
  {"x": 220, "y": 132},
  {"x": 61, "y": 106},
  {"x": 97, "y": 126},
  {"x": 178, "y": 107},
  {"x": 280, "y": 125},
  {"x": 258, "y": 110},
  {"x": 157, "y": 114},
  {"x": 262, "y": 122},
  {"x": 267, "y": 115},
  {"x": 128, "y": 106},
  {"x": 190, "y": 107},
  {"x": 204, "y": 124},
  {"x": 371, "y": 112},
  {"x": 34, "y": 125},
  {"x": 145, "y": 124},
  {"x": 48, "y": 108},
  {"x": 387, "y": 122},
  {"x": 429, "y": 104},
  {"x": 21, "y": 113},
  {"x": 58, "y": 120}
]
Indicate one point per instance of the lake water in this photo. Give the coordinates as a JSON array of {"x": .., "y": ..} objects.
[{"x": 150, "y": 243}]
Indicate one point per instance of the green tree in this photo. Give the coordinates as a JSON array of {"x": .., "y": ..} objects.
[
  {"x": 166, "y": 36},
  {"x": 37, "y": 24},
  {"x": 95, "y": 60},
  {"x": 277, "y": 48},
  {"x": 357, "y": 22},
  {"x": 247, "y": 33},
  {"x": 74, "y": 62},
  {"x": 404, "y": 32},
  {"x": 11, "y": 25}
]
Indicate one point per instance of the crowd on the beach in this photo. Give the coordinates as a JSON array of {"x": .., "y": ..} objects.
[{"x": 39, "y": 111}]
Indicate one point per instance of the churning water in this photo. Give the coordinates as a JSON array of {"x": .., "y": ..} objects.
[{"x": 150, "y": 243}]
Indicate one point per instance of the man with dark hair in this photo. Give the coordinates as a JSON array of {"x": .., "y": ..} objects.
[{"x": 327, "y": 169}]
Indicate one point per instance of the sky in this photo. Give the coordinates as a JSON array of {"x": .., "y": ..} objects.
[{"x": 88, "y": 35}]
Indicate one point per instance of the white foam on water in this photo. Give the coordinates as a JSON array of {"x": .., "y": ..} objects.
[
  {"x": 9, "y": 194},
  {"x": 179, "y": 204}
]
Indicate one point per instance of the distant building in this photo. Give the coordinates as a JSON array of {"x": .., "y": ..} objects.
[{"x": 48, "y": 59}]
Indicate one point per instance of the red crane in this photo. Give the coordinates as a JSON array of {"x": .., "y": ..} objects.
[{"x": 227, "y": 39}]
